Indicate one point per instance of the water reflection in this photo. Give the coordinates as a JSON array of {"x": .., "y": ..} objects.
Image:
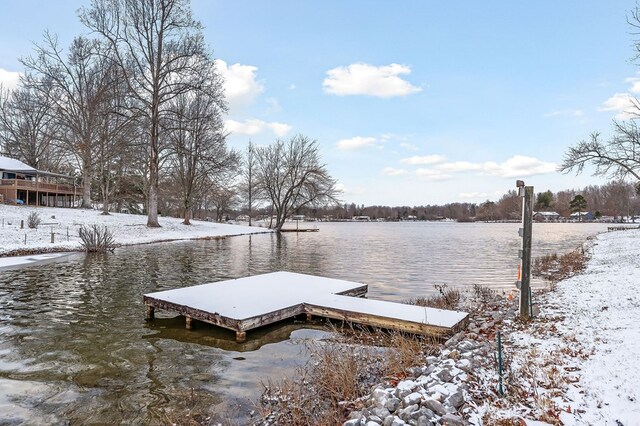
[{"x": 74, "y": 345}]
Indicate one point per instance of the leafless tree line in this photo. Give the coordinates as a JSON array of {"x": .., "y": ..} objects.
[{"x": 136, "y": 111}]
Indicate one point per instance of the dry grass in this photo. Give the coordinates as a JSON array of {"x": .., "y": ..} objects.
[
  {"x": 447, "y": 298},
  {"x": 340, "y": 371},
  {"x": 554, "y": 267}
]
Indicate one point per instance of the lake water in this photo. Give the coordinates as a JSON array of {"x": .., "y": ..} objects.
[{"x": 74, "y": 345}]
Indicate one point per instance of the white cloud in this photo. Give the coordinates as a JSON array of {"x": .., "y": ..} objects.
[
  {"x": 424, "y": 159},
  {"x": 409, "y": 147},
  {"x": 240, "y": 84},
  {"x": 254, "y": 126},
  {"x": 623, "y": 103},
  {"x": 429, "y": 174},
  {"x": 390, "y": 171},
  {"x": 516, "y": 166},
  {"x": 365, "y": 79},
  {"x": 355, "y": 143},
  {"x": 9, "y": 79}
]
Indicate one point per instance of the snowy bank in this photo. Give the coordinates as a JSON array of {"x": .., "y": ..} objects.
[
  {"x": 576, "y": 363},
  {"x": 127, "y": 229}
]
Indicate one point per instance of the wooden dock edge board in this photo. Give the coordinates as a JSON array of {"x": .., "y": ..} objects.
[
  {"x": 384, "y": 322},
  {"x": 355, "y": 292},
  {"x": 208, "y": 317},
  {"x": 226, "y": 322}
]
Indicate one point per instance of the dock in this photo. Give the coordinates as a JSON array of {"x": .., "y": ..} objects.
[{"x": 247, "y": 303}]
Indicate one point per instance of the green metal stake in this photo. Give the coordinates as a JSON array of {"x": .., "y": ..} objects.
[{"x": 500, "y": 388}]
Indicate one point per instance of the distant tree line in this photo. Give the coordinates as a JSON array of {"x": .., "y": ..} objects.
[
  {"x": 615, "y": 199},
  {"x": 136, "y": 113}
]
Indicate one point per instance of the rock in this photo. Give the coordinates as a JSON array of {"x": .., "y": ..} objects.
[
  {"x": 452, "y": 420},
  {"x": 393, "y": 404},
  {"x": 455, "y": 400},
  {"x": 374, "y": 421},
  {"x": 444, "y": 375},
  {"x": 454, "y": 354},
  {"x": 411, "y": 399},
  {"x": 434, "y": 406},
  {"x": 404, "y": 388},
  {"x": 405, "y": 414},
  {"x": 424, "y": 421},
  {"x": 393, "y": 421},
  {"x": 464, "y": 365},
  {"x": 355, "y": 415},
  {"x": 352, "y": 422},
  {"x": 415, "y": 371},
  {"x": 380, "y": 397},
  {"x": 382, "y": 413},
  {"x": 454, "y": 340}
]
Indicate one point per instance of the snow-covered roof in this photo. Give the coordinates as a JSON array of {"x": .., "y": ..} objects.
[
  {"x": 13, "y": 165},
  {"x": 547, "y": 213}
]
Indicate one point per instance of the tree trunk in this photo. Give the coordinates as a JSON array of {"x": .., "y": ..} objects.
[
  {"x": 187, "y": 214},
  {"x": 152, "y": 218},
  {"x": 86, "y": 187}
]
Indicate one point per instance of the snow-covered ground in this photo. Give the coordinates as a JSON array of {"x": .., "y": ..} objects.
[
  {"x": 582, "y": 353},
  {"x": 575, "y": 363},
  {"x": 127, "y": 229}
]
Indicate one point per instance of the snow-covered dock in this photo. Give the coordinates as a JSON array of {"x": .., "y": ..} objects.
[{"x": 247, "y": 303}]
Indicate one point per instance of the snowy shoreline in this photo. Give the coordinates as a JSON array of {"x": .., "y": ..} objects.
[
  {"x": 574, "y": 364},
  {"x": 127, "y": 229}
]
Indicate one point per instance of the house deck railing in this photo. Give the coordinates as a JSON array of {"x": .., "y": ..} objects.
[{"x": 33, "y": 185}]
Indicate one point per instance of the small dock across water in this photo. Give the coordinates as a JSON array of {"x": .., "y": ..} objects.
[{"x": 247, "y": 303}]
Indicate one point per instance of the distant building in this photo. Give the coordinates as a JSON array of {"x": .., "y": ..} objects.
[
  {"x": 546, "y": 216},
  {"x": 362, "y": 218},
  {"x": 584, "y": 216}
]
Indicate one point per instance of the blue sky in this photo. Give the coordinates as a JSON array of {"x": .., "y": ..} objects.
[{"x": 412, "y": 102}]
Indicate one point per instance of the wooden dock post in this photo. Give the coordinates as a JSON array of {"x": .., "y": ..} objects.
[
  {"x": 309, "y": 317},
  {"x": 525, "y": 286},
  {"x": 188, "y": 323},
  {"x": 241, "y": 336},
  {"x": 149, "y": 312}
]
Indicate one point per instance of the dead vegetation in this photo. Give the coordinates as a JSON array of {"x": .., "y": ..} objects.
[
  {"x": 555, "y": 268},
  {"x": 341, "y": 370},
  {"x": 447, "y": 298}
]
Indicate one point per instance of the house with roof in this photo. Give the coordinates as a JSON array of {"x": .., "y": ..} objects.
[
  {"x": 582, "y": 217},
  {"x": 546, "y": 216},
  {"x": 22, "y": 184}
]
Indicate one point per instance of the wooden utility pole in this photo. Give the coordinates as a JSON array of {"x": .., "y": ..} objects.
[{"x": 527, "y": 228}]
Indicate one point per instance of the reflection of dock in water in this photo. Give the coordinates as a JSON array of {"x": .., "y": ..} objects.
[
  {"x": 248, "y": 303},
  {"x": 218, "y": 337}
]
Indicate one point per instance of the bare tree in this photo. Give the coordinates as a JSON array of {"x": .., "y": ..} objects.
[
  {"x": 198, "y": 152},
  {"x": 618, "y": 158},
  {"x": 161, "y": 49},
  {"x": 80, "y": 84},
  {"x": 26, "y": 127},
  {"x": 249, "y": 186},
  {"x": 292, "y": 176}
]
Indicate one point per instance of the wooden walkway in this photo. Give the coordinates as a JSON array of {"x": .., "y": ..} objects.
[{"x": 247, "y": 303}]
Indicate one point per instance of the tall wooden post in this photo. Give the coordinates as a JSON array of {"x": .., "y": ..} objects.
[{"x": 527, "y": 222}]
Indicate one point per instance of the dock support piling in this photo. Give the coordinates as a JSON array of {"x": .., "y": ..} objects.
[
  {"x": 309, "y": 317},
  {"x": 149, "y": 312},
  {"x": 188, "y": 323},
  {"x": 241, "y": 336}
]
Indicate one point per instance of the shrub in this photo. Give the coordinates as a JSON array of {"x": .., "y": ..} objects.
[
  {"x": 96, "y": 238},
  {"x": 34, "y": 220},
  {"x": 447, "y": 298}
]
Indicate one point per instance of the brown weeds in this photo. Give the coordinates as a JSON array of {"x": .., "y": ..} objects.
[
  {"x": 447, "y": 298},
  {"x": 554, "y": 267}
]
